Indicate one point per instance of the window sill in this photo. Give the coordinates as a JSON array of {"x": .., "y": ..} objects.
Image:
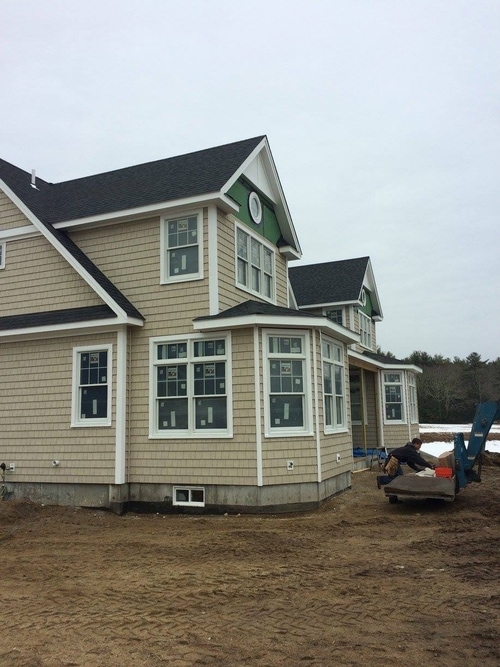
[
  {"x": 93, "y": 424},
  {"x": 182, "y": 435}
]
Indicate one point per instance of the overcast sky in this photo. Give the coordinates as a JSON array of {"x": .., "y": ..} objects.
[{"x": 383, "y": 117}]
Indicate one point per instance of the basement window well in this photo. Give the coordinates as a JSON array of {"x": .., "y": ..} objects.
[{"x": 189, "y": 496}]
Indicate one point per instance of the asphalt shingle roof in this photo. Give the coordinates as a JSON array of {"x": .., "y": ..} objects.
[
  {"x": 50, "y": 318},
  {"x": 251, "y": 307},
  {"x": 329, "y": 282},
  {"x": 193, "y": 174},
  {"x": 188, "y": 175}
]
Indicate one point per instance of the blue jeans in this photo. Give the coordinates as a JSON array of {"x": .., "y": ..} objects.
[{"x": 385, "y": 479}]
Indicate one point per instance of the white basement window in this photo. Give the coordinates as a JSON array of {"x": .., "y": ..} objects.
[{"x": 189, "y": 496}]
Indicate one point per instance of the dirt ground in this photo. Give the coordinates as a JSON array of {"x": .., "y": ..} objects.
[{"x": 358, "y": 582}]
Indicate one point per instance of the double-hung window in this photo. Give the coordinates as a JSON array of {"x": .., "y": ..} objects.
[
  {"x": 287, "y": 407},
  {"x": 189, "y": 386},
  {"x": 92, "y": 386},
  {"x": 336, "y": 315},
  {"x": 365, "y": 330},
  {"x": 333, "y": 385},
  {"x": 393, "y": 394},
  {"x": 254, "y": 265},
  {"x": 2, "y": 255},
  {"x": 182, "y": 248}
]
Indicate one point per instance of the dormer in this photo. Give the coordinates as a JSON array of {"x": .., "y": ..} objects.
[{"x": 343, "y": 291}]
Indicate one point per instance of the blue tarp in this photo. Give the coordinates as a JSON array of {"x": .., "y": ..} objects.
[{"x": 358, "y": 451}]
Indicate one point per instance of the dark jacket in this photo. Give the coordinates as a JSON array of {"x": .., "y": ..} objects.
[{"x": 408, "y": 454}]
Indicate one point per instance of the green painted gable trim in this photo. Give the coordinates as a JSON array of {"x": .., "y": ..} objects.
[
  {"x": 269, "y": 227},
  {"x": 368, "y": 307}
]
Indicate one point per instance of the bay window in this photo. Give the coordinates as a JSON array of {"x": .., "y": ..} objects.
[
  {"x": 189, "y": 386},
  {"x": 333, "y": 385},
  {"x": 287, "y": 406}
]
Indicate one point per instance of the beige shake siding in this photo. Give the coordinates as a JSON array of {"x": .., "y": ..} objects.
[
  {"x": 177, "y": 460},
  {"x": 134, "y": 267},
  {"x": 57, "y": 284},
  {"x": 10, "y": 216},
  {"x": 36, "y": 424},
  {"x": 229, "y": 294}
]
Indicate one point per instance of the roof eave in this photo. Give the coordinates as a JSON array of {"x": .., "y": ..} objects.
[
  {"x": 277, "y": 321},
  {"x": 218, "y": 198},
  {"x": 282, "y": 210},
  {"x": 383, "y": 366},
  {"x": 289, "y": 252},
  {"x": 51, "y": 238},
  {"x": 53, "y": 330}
]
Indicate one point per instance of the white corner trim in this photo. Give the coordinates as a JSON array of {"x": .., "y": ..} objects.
[
  {"x": 316, "y": 404},
  {"x": 258, "y": 415},
  {"x": 213, "y": 268},
  {"x": 121, "y": 406}
]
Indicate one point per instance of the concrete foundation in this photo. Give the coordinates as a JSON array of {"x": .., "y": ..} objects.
[{"x": 159, "y": 497}]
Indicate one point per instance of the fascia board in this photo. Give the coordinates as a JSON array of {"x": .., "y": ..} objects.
[
  {"x": 282, "y": 212},
  {"x": 291, "y": 322},
  {"x": 221, "y": 200},
  {"x": 305, "y": 306},
  {"x": 52, "y": 331},
  {"x": 370, "y": 279},
  {"x": 18, "y": 233},
  {"x": 382, "y": 366},
  {"x": 121, "y": 314},
  {"x": 289, "y": 252}
]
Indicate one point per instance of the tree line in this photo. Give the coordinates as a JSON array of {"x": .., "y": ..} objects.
[{"x": 449, "y": 390}]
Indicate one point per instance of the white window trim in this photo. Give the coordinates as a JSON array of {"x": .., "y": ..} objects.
[
  {"x": 280, "y": 432},
  {"x": 329, "y": 428},
  {"x": 165, "y": 279},
  {"x": 3, "y": 248},
  {"x": 403, "y": 419},
  {"x": 187, "y": 503},
  {"x": 342, "y": 312},
  {"x": 154, "y": 432},
  {"x": 266, "y": 244},
  {"x": 412, "y": 398},
  {"x": 76, "y": 420}
]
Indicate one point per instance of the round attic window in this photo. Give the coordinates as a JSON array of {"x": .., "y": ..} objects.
[{"x": 255, "y": 207}]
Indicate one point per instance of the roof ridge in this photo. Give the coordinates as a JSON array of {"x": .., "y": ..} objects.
[{"x": 159, "y": 160}]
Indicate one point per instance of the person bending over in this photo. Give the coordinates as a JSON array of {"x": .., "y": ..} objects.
[{"x": 407, "y": 454}]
